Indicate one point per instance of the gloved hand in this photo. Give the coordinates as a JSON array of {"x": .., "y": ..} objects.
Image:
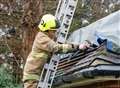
[{"x": 85, "y": 45}]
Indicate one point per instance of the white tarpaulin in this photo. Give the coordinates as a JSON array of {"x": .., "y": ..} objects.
[{"x": 105, "y": 28}]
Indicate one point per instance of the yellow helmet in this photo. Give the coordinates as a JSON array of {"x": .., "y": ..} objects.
[{"x": 48, "y": 22}]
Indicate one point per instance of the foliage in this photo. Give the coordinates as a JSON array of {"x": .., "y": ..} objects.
[
  {"x": 89, "y": 11},
  {"x": 7, "y": 79},
  {"x": 3, "y": 49}
]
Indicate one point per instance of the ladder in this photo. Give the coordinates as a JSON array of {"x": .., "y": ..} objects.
[{"x": 64, "y": 13}]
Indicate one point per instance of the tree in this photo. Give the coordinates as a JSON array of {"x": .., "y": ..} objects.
[{"x": 31, "y": 16}]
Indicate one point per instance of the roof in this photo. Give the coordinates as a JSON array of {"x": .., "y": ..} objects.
[
  {"x": 97, "y": 64},
  {"x": 83, "y": 68},
  {"x": 105, "y": 28}
]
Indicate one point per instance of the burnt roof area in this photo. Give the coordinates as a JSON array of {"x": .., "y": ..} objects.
[{"x": 92, "y": 66}]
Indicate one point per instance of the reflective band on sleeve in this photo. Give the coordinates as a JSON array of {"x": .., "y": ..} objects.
[
  {"x": 39, "y": 55},
  {"x": 66, "y": 48},
  {"x": 30, "y": 77}
]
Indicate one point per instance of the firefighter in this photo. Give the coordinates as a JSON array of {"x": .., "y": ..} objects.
[{"x": 42, "y": 49}]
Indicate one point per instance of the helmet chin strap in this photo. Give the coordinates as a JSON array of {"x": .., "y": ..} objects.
[{"x": 51, "y": 34}]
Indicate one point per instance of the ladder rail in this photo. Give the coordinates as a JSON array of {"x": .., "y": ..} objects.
[
  {"x": 51, "y": 68},
  {"x": 71, "y": 21},
  {"x": 48, "y": 73},
  {"x": 58, "y": 8},
  {"x": 45, "y": 84},
  {"x": 64, "y": 20},
  {"x": 54, "y": 73},
  {"x": 60, "y": 13}
]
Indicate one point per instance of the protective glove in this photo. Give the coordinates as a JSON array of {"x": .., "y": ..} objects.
[{"x": 85, "y": 45}]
